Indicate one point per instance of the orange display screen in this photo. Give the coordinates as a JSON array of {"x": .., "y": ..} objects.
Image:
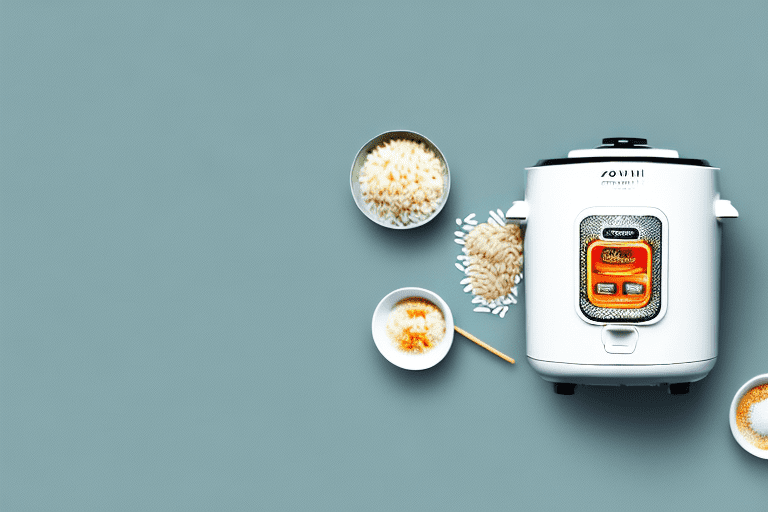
[{"x": 619, "y": 273}]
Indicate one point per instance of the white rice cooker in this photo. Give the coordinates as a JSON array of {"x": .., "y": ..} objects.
[{"x": 622, "y": 266}]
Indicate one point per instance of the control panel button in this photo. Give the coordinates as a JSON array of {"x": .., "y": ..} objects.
[
  {"x": 621, "y": 233},
  {"x": 605, "y": 288},
  {"x": 633, "y": 289}
]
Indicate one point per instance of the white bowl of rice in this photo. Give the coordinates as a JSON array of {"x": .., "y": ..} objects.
[
  {"x": 400, "y": 180},
  {"x": 749, "y": 416},
  {"x": 413, "y": 328}
]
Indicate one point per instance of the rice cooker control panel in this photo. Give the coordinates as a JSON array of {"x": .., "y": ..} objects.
[
  {"x": 620, "y": 267},
  {"x": 619, "y": 273}
]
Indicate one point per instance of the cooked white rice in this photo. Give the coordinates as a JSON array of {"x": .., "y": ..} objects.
[{"x": 402, "y": 181}]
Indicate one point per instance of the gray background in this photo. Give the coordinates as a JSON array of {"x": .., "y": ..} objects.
[{"x": 186, "y": 285}]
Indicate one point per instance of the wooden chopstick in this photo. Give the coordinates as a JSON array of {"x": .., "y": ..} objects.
[{"x": 484, "y": 345}]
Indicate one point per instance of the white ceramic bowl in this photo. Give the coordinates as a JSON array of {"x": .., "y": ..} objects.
[
  {"x": 751, "y": 383},
  {"x": 357, "y": 164},
  {"x": 397, "y": 357}
]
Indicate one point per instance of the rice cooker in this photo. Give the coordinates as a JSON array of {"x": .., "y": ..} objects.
[{"x": 622, "y": 266}]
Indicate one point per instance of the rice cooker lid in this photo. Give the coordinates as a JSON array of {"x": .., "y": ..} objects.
[{"x": 623, "y": 149}]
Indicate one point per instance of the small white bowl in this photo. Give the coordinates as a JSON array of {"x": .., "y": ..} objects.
[
  {"x": 751, "y": 383},
  {"x": 397, "y": 357},
  {"x": 357, "y": 164}
]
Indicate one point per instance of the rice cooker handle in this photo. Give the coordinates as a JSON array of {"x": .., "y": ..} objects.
[
  {"x": 725, "y": 210},
  {"x": 518, "y": 213},
  {"x": 624, "y": 142}
]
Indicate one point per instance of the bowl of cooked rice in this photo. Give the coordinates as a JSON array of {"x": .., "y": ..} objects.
[
  {"x": 400, "y": 180},
  {"x": 413, "y": 328}
]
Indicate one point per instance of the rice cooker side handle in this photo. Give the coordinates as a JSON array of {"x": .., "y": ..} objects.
[
  {"x": 518, "y": 213},
  {"x": 723, "y": 210}
]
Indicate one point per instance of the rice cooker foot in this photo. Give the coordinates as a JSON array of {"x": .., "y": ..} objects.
[
  {"x": 679, "y": 388},
  {"x": 564, "y": 388}
]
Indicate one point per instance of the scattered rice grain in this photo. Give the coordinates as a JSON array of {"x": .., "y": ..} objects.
[
  {"x": 495, "y": 258},
  {"x": 491, "y": 260},
  {"x": 496, "y": 217}
]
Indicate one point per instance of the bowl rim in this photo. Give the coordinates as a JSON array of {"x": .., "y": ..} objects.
[
  {"x": 357, "y": 164},
  {"x": 402, "y": 359},
  {"x": 737, "y": 435}
]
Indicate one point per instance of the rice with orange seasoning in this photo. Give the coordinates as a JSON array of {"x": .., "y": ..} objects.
[
  {"x": 744, "y": 412},
  {"x": 415, "y": 325}
]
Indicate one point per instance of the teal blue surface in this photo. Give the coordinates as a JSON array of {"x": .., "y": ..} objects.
[{"x": 186, "y": 286}]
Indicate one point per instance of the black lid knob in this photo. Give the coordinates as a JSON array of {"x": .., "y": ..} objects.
[{"x": 624, "y": 142}]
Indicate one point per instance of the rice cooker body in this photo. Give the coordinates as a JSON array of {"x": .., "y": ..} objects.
[{"x": 622, "y": 259}]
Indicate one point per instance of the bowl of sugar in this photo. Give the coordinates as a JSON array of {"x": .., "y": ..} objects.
[{"x": 749, "y": 416}]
